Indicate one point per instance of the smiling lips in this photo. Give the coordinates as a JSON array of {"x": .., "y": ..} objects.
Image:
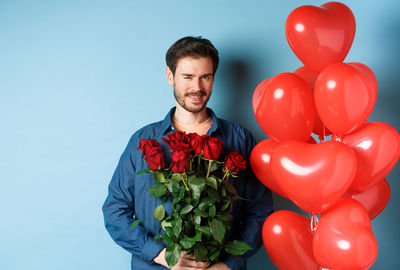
[{"x": 196, "y": 96}]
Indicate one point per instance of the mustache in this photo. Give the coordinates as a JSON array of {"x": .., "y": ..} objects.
[{"x": 196, "y": 93}]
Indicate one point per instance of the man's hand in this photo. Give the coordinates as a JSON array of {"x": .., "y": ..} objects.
[
  {"x": 186, "y": 262},
  {"x": 219, "y": 266}
]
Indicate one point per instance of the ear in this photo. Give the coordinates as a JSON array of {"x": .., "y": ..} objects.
[{"x": 169, "y": 75}]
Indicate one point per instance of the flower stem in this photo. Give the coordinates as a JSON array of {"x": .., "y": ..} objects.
[
  {"x": 198, "y": 162},
  {"x": 209, "y": 167},
  {"x": 184, "y": 183},
  {"x": 226, "y": 175}
]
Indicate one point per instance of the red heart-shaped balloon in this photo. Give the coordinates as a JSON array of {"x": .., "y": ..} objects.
[
  {"x": 377, "y": 149},
  {"x": 288, "y": 240},
  {"x": 314, "y": 176},
  {"x": 345, "y": 95},
  {"x": 286, "y": 110},
  {"x": 320, "y": 36},
  {"x": 257, "y": 94},
  {"x": 373, "y": 199},
  {"x": 260, "y": 164},
  {"x": 310, "y": 77},
  {"x": 344, "y": 238}
]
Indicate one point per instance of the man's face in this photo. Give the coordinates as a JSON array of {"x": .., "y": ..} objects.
[{"x": 192, "y": 82}]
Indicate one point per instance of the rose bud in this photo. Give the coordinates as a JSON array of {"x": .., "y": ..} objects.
[
  {"x": 155, "y": 159},
  {"x": 235, "y": 162},
  {"x": 176, "y": 137},
  {"x": 213, "y": 148},
  {"x": 147, "y": 144},
  {"x": 196, "y": 143}
]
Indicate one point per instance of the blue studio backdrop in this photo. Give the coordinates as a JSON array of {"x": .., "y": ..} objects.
[{"x": 77, "y": 78}]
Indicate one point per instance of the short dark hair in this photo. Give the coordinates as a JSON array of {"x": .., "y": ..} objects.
[{"x": 191, "y": 46}]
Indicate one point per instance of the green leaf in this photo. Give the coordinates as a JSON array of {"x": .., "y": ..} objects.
[
  {"x": 200, "y": 253},
  {"x": 212, "y": 182},
  {"x": 205, "y": 203},
  {"x": 186, "y": 209},
  {"x": 164, "y": 199},
  {"x": 159, "y": 213},
  {"x": 167, "y": 239},
  {"x": 172, "y": 254},
  {"x": 179, "y": 197},
  {"x": 215, "y": 255},
  {"x": 135, "y": 223},
  {"x": 204, "y": 230},
  {"x": 144, "y": 171},
  {"x": 217, "y": 230},
  {"x": 197, "y": 237},
  {"x": 188, "y": 229},
  {"x": 158, "y": 184},
  {"x": 157, "y": 191},
  {"x": 200, "y": 212},
  {"x": 187, "y": 242},
  {"x": 215, "y": 166},
  {"x": 213, "y": 243},
  {"x": 177, "y": 226},
  {"x": 222, "y": 191},
  {"x": 159, "y": 176},
  {"x": 173, "y": 187},
  {"x": 165, "y": 223},
  {"x": 169, "y": 231},
  {"x": 212, "y": 211},
  {"x": 230, "y": 188},
  {"x": 176, "y": 177},
  {"x": 197, "y": 220},
  {"x": 197, "y": 185},
  {"x": 225, "y": 204},
  {"x": 226, "y": 217},
  {"x": 237, "y": 247},
  {"x": 213, "y": 194}
]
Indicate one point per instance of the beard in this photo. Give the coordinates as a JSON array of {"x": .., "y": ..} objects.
[{"x": 193, "y": 108}]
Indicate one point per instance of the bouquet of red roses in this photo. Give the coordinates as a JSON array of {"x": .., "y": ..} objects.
[{"x": 197, "y": 185}]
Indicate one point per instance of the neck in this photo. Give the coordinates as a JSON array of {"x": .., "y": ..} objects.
[{"x": 189, "y": 118}]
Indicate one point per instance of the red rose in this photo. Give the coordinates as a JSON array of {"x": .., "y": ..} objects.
[
  {"x": 176, "y": 137},
  {"x": 196, "y": 143},
  {"x": 180, "y": 161},
  {"x": 235, "y": 162},
  {"x": 146, "y": 145},
  {"x": 212, "y": 148},
  {"x": 180, "y": 146},
  {"x": 155, "y": 159}
]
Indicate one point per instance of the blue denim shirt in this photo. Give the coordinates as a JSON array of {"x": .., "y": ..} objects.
[{"x": 129, "y": 200}]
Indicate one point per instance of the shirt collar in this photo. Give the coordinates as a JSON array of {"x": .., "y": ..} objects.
[{"x": 166, "y": 124}]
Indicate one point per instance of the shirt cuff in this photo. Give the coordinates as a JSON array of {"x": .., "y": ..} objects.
[
  {"x": 234, "y": 263},
  {"x": 151, "y": 249}
]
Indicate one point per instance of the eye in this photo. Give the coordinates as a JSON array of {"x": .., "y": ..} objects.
[{"x": 206, "y": 77}]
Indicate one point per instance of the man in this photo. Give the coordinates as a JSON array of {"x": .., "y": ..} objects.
[{"x": 191, "y": 66}]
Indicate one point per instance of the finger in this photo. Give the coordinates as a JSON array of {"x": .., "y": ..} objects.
[
  {"x": 189, "y": 257},
  {"x": 193, "y": 263}
]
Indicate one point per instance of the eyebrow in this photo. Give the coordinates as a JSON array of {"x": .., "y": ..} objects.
[{"x": 191, "y": 75}]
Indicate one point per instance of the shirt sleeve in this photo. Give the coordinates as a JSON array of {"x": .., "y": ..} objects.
[
  {"x": 119, "y": 210},
  {"x": 255, "y": 212}
]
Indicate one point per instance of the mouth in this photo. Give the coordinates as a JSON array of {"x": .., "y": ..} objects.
[{"x": 196, "y": 97}]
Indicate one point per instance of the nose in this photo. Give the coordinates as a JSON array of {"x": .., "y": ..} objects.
[{"x": 196, "y": 84}]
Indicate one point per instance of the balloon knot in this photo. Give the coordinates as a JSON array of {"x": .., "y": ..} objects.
[{"x": 314, "y": 222}]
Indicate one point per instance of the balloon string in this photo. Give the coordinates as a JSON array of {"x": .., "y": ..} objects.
[
  {"x": 322, "y": 138},
  {"x": 314, "y": 222}
]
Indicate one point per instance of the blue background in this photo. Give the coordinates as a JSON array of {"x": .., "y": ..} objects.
[{"x": 77, "y": 78}]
